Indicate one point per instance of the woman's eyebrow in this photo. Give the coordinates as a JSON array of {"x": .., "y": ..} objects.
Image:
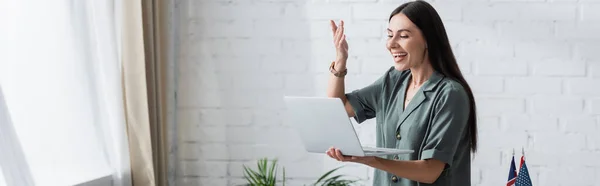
[{"x": 401, "y": 30}]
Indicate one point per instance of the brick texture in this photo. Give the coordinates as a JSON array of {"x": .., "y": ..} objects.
[{"x": 533, "y": 65}]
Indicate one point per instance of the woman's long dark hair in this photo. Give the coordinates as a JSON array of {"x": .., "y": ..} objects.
[{"x": 441, "y": 57}]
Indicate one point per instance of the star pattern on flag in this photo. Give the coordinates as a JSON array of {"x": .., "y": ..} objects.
[{"x": 523, "y": 178}]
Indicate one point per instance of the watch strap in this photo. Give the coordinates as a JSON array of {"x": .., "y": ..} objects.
[{"x": 336, "y": 73}]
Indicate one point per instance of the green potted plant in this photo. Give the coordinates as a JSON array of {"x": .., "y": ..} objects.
[{"x": 266, "y": 175}]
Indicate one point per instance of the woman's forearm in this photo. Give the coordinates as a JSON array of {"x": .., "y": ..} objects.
[
  {"x": 425, "y": 171},
  {"x": 336, "y": 88}
]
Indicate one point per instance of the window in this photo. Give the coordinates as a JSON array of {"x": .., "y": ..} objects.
[{"x": 61, "y": 88}]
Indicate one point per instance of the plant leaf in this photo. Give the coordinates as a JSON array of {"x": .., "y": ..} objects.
[
  {"x": 333, "y": 179},
  {"x": 272, "y": 173},
  {"x": 265, "y": 173},
  {"x": 259, "y": 165},
  {"x": 250, "y": 176},
  {"x": 283, "y": 176},
  {"x": 260, "y": 178},
  {"x": 327, "y": 174},
  {"x": 261, "y": 171}
]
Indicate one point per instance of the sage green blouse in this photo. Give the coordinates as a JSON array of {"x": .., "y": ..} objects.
[{"x": 434, "y": 124}]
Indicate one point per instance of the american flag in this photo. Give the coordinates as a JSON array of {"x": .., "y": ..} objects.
[
  {"x": 523, "y": 178},
  {"x": 512, "y": 173}
]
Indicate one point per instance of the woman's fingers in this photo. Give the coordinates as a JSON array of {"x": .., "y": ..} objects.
[
  {"x": 335, "y": 154},
  {"x": 336, "y": 40},
  {"x": 339, "y": 155},
  {"x": 333, "y": 27},
  {"x": 342, "y": 40},
  {"x": 339, "y": 33},
  {"x": 342, "y": 26},
  {"x": 330, "y": 152}
]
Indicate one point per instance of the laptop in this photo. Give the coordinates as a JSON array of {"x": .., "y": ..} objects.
[{"x": 322, "y": 122}]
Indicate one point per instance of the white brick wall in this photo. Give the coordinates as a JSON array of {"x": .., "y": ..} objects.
[{"x": 533, "y": 65}]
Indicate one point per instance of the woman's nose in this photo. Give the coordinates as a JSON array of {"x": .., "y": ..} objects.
[{"x": 392, "y": 44}]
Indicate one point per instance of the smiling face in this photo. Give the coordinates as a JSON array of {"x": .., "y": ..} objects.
[{"x": 406, "y": 43}]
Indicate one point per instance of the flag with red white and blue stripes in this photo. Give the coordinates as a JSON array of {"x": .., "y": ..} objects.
[{"x": 512, "y": 173}]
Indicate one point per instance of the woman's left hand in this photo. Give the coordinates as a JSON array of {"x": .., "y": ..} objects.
[{"x": 337, "y": 154}]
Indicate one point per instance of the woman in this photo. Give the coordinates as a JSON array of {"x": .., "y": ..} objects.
[{"x": 421, "y": 103}]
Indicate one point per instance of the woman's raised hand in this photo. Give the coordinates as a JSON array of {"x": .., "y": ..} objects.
[{"x": 341, "y": 46}]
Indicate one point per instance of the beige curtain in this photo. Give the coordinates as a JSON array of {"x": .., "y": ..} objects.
[
  {"x": 145, "y": 88},
  {"x": 156, "y": 47}
]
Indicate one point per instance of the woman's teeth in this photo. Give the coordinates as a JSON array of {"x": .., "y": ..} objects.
[{"x": 399, "y": 55}]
